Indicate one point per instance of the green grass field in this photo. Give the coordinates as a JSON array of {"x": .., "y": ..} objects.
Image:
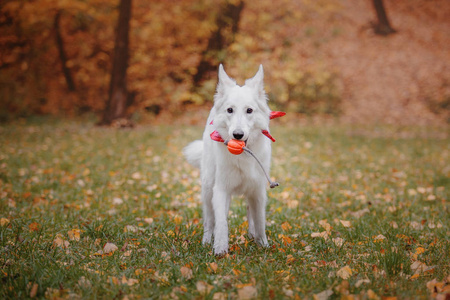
[{"x": 90, "y": 212}]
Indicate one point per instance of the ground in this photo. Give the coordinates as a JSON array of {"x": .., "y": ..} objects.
[{"x": 88, "y": 212}]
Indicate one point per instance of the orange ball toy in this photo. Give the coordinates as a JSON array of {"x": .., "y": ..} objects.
[{"x": 236, "y": 147}]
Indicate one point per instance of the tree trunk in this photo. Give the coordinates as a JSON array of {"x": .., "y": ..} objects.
[
  {"x": 62, "y": 53},
  {"x": 383, "y": 27},
  {"x": 117, "y": 103},
  {"x": 219, "y": 40}
]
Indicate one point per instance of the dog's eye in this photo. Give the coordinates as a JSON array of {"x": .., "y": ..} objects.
[
  {"x": 230, "y": 110},
  {"x": 249, "y": 110}
]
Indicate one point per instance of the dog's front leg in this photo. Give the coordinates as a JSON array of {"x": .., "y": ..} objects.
[
  {"x": 257, "y": 212},
  {"x": 221, "y": 203},
  {"x": 208, "y": 212}
]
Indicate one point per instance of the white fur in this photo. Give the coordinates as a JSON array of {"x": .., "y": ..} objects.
[{"x": 224, "y": 174}]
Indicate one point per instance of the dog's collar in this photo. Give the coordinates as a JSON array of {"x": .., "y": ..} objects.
[{"x": 215, "y": 136}]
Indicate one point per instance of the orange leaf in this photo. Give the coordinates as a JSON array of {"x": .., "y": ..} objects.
[
  {"x": 34, "y": 226},
  {"x": 286, "y": 226}
]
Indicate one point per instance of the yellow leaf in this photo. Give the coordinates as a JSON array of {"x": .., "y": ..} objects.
[
  {"x": 344, "y": 272},
  {"x": 371, "y": 295},
  {"x": 178, "y": 219},
  {"x": 379, "y": 238},
  {"x": 4, "y": 221},
  {"x": 74, "y": 234},
  {"x": 420, "y": 250}
]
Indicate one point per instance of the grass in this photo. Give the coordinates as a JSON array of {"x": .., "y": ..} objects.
[{"x": 359, "y": 212}]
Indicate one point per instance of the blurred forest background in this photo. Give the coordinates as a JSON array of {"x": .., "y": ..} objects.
[{"x": 321, "y": 57}]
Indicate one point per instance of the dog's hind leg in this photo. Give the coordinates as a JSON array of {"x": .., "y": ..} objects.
[{"x": 257, "y": 211}]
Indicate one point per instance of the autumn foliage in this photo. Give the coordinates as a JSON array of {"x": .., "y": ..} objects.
[{"x": 320, "y": 57}]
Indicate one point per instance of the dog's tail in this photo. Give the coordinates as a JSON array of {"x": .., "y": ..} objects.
[{"x": 193, "y": 153}]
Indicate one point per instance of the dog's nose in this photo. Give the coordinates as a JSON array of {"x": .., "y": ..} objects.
[{"x": 238, "y": 134}]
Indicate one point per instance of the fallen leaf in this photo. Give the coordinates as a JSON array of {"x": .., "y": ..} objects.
[
  {"x": 203, "y": 287},
  {"x": 361, "y": 282},
  {"x": 220, "y": 296},
  {"x": 323, "y": 295},
  {"x": 129, "y": 281},
  {"x": 178, "y": 219},
  {"x": 338, "y": 241},
  {"x": 371, "y": 295},
  {"x": 345, "y": 223},
  {"x": 34, "y": 226},
  {"x": 34, "y": 290},
  {"x": 74, "y": 234},
  {"x": 286, "y": 239},
  {"x": 213, "y": 267},
  {"x": 186, "y": 272},
  {"x": 418, "y": 267},
  {"x": 117, "y": 201},
  {"x": 287, "y": 292},
  {"x": 60, "y": 242},
  {"x": 322, "y": 234},
  {"x": 130, "y": 228},
  {"x": 247, "y": 292},
  {"x": 84, "y": 283},
  {"x": 109, "y": 248},
  {"x": 325, "y": 225},
  {"x": 379, "y": 238},
  {"x": 4, "y": 221},
  {"x": 286, "y": 226},
  {"x": 434, "y": 286},
  {"x": 344, "y": 272},
  {"x": 290, "y": 259},
  {"x": 148, "y": 220},
  {"x": 136, "y": 175}
]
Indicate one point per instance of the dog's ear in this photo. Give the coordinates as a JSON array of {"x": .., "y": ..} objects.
[
  {"x": 257, "y": 81},
  {"x": 224, "y": 81}
]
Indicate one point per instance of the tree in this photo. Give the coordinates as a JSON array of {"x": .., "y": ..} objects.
[
  {"x": 62, "y": 53},
  {"x": 220, "y": 38},
  {"x": 118, "y": 96},
  {"x": 382, "y": 27}
]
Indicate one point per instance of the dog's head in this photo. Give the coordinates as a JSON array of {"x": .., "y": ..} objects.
[{"x": 241, "y": 111}]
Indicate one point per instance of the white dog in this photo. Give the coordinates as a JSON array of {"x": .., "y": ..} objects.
[{"x": 240, "y": 113}]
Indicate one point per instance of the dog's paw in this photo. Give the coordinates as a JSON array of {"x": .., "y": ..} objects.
[
  {"x": 206, "y": 239},
  {"x": 220, "y": 249},
  {"x": 262, "y": 242}
]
